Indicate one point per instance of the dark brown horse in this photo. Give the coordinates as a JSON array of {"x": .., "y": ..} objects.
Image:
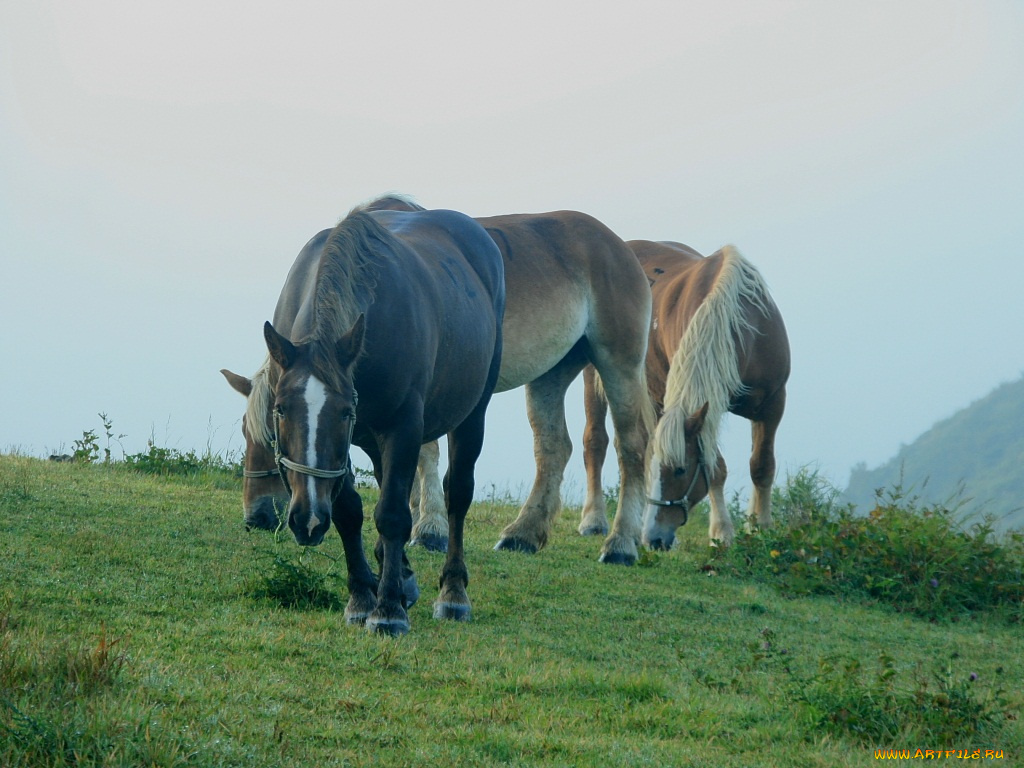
[
  {"x": 717, "y": 345},
  {"x": 575, "y": 295},
  {"x": 405, "y": 309}
]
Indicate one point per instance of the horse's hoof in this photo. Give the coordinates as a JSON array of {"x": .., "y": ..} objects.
[
  {"x": 431, "y": 542},
  {"x": 617, "y": 558},
  {"x": 453, "y": 611},
  {"x": 594, "y": 530},
  {"x": 515, "y": 545},
  {"x": 389, "y": 627},
  {"x": 360, "y": 604},
  {"x": 355, "y": 617}
]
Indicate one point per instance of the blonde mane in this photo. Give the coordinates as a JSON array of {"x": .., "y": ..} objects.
[
  {"x": 704, "y": 368},
  {"x": 258, "y": 405}
]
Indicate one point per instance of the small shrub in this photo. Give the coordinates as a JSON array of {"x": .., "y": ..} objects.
[
  {"x": 86, "y": 449},
  {"x": 171, "y": 461},
  {"x": 155, "y": 460},
  {"x": 914, "y": 558}
]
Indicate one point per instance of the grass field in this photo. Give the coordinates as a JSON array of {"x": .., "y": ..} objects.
[{"x": 131, "y": 635}]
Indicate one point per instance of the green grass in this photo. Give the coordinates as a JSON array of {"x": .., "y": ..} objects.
[{"x": 137, "y": 628}]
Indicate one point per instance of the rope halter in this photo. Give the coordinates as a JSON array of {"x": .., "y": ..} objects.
[
  {"x": 283, "y": 462},
  {"x": 684, "y": 502}
]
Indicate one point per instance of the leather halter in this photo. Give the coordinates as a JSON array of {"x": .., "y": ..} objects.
[
  {"x": 283, "y": 462},
  {"x": 684, "y": 502}
]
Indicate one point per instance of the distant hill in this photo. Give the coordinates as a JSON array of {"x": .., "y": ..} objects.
[{"x": 979, "y": 450}]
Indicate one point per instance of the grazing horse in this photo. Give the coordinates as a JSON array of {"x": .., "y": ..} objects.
[
  {"x": 575, "y": 296},
  {"x": 717, "y": 345},
  {"x": 405, "y": 309}
]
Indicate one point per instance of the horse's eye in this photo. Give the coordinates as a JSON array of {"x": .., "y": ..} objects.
[
  {"x": 679, "y": 472},
  {"x": 279, "y": 410}
]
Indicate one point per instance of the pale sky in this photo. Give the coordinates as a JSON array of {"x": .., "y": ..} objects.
[{"x": 162, "y": 164}]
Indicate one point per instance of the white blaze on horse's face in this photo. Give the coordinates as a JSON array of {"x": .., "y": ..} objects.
[
  {"x": 315, "y": 396},
  {"x": 659, "y": 525}
]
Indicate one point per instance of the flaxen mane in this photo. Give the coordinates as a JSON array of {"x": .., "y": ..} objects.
[
  {"x": 704, "y": 368},
  {"x": 258, "y": 404}
]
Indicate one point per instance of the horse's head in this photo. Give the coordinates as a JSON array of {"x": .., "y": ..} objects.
[
  {"x": 263, "y": 492},
  {"x": 314, "y": 413},
  {"x": 679, "y": 476}
]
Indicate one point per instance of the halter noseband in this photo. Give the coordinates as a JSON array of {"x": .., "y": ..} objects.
[
  {"x": 283, "y": 462},
  {"x": 684, "y": 502},
  {"x": 260, "y": 472}
]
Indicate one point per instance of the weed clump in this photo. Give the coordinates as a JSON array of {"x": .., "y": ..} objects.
[
  {"x": 844, "y": 699},
  {"x": 291, "y": 581}
]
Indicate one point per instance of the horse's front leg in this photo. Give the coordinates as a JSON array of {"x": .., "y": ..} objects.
[
  {"x": 594, "y": 517},
  {"x": 394, "y": 525},
  {"x": 347, "y": 514},
  {"x": 552, "y": 447}
]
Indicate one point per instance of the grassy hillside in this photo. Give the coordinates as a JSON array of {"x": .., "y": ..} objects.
[
  {"x": 136, "y": 630},
  {"x": 973, "y": 459}
]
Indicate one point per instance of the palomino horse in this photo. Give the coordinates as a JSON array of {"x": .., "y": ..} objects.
[
  {"x": 575, "y": 295},
  {"x": 717, "y": 345},
  {"x": 405, "y": 309}
]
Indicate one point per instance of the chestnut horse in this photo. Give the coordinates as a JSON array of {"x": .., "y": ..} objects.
[
  {"x": 717, "y": 345},
  {"x": 405, "y": 309},
  {"x": 575, "y": 296}
]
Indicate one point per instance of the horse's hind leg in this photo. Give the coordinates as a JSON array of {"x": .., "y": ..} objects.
[
  {"x": 594, "y": 518},
  {"x": 762, "y": 460},
  {"x": 545, "y": 405},
  {"x": 431, "y": 528},
  {"x": 627, "y": 399},
  {"x": 464, "y": 445}
]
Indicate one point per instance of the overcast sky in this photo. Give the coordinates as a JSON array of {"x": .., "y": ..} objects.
[{"x": 162, "y": 164}]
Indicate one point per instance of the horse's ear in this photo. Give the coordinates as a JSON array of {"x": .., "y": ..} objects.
[
  {"x": 695, "y": 423},
  {"x": 351, "y": 344},
  {"x": 240, "y": 384},
  {"x": 281, "y": 350}
]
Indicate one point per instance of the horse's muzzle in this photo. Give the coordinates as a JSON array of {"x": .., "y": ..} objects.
[{"x": 309, "y": 529}]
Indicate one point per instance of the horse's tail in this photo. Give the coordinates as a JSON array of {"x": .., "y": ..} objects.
[
  {"x": 258, "y": 405},
  {"x": 704, "y": 368}
]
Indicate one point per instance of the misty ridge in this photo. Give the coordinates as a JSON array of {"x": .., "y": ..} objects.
[{"x": 971, "y": 462}]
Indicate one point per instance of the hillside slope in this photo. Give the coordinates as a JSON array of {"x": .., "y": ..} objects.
[{"x": 975, "y": 457}]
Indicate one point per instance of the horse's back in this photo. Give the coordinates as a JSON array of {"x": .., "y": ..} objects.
[
  {"x": 568, "y": 276},
  {"x": 681, "y": 279},
  {"x": 435, "y": 325},
  {"x": 440, "y": 235}
]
